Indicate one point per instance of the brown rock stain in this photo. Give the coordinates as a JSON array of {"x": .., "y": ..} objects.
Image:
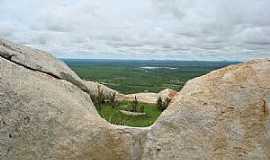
[{"x": 253, "y": 121}]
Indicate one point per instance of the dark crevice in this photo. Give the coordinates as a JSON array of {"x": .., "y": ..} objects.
[
  {"x": 9, "y": 58},
  {"x": 265, "y": 108}
]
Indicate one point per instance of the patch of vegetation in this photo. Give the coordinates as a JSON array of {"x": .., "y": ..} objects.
[
  {"x": 114, "y": 116},
  {"x": 163, "y": 104},
  {"x": 135, "y": 106},
  {"x": 110, "y": 109}
]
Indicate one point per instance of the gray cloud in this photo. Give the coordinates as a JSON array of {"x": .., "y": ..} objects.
[{"x": 146, "y": 29}]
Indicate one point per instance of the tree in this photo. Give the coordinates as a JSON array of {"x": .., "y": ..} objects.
[{"x": 134, "y": 105}]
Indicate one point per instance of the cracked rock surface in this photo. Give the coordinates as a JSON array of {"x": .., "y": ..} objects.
[
  {"x": 46, "y": 114},
  {"x": 39, "y": 61}
]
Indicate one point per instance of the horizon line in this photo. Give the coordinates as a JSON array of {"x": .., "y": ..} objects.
[{"x": 104, "y": 59}]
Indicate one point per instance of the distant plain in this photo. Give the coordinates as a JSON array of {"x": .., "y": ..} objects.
[{"x": 133, "y": 76}]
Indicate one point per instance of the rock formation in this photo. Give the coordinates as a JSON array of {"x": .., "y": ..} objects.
[
  {"x": 167, "y": 93},
  {"x": 37, "y": 60},
  {"x": 46, "y": 114},
  {"x": 149, "y": 97},
  {"x": 141, "y": 97},
  {"x": 93, "y": 89},
  {"x": 222, "y": 115}
]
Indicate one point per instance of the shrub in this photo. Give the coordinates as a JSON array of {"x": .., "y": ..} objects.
[
  {"x": 162, "y": 105},
  {"x": 134, "y": 105},
  {"x": 166, "y": 103},
  {"x": 142, "y": 109},
  {"x": 113, "y": 100}
]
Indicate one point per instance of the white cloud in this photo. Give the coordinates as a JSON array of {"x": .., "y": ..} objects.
[{"x": 146, "y": 29}]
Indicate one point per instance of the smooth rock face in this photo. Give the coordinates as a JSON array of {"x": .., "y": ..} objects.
[
  {"x": 142, "y": 97},
  {"x": 149, "y": 97},
  {"x": 39, "y": 61},
  {"x": 93, "y": 89},
  {"x": 46, "y": 116},
  {"x": 222, "y": 115},
  {"x": 167, "y": 93}
]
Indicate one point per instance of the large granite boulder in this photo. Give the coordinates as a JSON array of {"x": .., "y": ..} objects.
[
  {"x": 44, "y": 116},
  {"x": 222, "y": 115}
]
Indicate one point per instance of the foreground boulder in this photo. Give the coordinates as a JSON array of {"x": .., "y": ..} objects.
[
  {"x": 222, "y": 115},
  {"x": 46, "y": 116}
]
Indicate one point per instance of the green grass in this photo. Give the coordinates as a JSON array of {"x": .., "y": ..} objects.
[{"x": 114, "y": 116}]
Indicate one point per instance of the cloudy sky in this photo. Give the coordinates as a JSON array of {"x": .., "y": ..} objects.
[{"x": 141, "y": 29}]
